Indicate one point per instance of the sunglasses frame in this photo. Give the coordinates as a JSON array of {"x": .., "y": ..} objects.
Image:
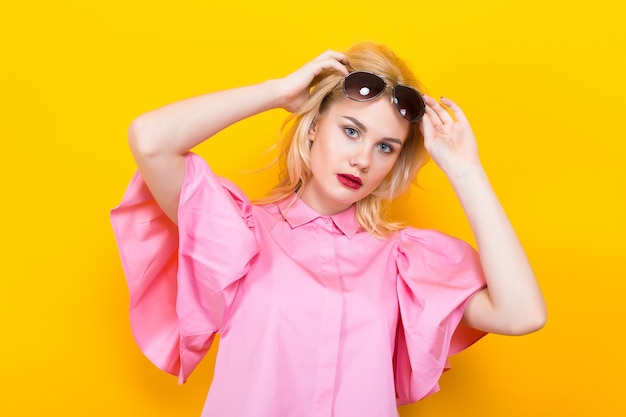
[{"x": 393, "y": 94}]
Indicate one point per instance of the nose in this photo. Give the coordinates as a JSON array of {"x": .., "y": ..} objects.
[{"x": 361, "y": 157}]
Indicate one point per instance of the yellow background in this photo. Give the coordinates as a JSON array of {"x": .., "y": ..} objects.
[{"x": 541, "y": 81}]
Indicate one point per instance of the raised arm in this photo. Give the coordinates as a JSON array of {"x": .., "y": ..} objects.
[
  {"x": 512, "y": 303},
  {"x": 159, "y": 139}
]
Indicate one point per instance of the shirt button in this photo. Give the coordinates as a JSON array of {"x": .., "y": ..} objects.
[{"x": 327, "y": 220}]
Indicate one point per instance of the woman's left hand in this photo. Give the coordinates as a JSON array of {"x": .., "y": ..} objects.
[
  {"x": 448, "y": 138},
  {"x": 512, "y": 303}
]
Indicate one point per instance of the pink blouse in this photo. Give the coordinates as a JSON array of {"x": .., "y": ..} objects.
[{"x": 316, "y": 317}]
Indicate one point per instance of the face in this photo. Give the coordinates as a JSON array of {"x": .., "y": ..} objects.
[{"x": 354, "y": 146}]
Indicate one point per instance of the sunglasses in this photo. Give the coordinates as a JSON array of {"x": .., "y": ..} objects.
[{"x": 365, "y": 86}]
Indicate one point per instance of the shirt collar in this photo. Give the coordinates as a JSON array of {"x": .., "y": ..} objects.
[{"x": 297, "y": 213}]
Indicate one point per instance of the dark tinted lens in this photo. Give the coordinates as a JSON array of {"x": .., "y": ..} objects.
[
  {"x": 409, "y": 103},
  {"x": 363, "y": 86}
]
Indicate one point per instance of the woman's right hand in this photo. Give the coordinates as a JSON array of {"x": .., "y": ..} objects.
[
  {"x": 159, "y": 139},
  {"x": 294, "y": 88}
]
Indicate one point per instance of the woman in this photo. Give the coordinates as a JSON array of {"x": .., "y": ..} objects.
[{"x": 324, "y": 307}]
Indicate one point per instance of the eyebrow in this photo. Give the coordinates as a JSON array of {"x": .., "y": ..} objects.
[{"x": 364, "y": 129}]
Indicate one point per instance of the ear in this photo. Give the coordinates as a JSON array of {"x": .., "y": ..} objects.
[{"x": 312, "y": 130}]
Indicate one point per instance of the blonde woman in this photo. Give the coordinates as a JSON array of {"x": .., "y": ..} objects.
[{"x": 323, "y": 305}]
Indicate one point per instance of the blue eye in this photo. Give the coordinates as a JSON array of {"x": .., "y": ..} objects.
[
  {"x": 385, "y": 147},
  {"x": 351, "y": 132}
]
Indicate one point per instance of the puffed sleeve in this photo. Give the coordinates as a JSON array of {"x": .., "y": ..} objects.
[
  {"x": 182, "y": 280},
  {"x": 437, "y": 276}
]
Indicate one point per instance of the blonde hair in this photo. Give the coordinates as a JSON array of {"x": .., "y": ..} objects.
[{"x": 326, "y": 89}]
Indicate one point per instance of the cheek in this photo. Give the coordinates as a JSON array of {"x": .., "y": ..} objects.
[
  {"x": 382, "y": 171},
  {"x": 386, "y": 164},
  {"x": 321, "y": 156},
  {"x": 327, "y": 147}
]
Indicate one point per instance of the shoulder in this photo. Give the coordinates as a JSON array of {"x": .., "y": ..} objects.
[
  {"x": 431, "y": 240},
  {"x": 197, "y": 171},
  {"x": 433, "y": 253},
  {"x": 206, "y": 191}
]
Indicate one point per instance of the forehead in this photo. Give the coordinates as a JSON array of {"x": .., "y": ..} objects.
[{"x": 378, "y": 116}]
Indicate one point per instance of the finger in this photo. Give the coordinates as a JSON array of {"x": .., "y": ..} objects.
[
  {"x": 338, "y": 65},
  {"x": 456, "y": 110},
  {"x": 337, "y": 56},
  {"x": 433, "y": 118},
  {"x": 439, "y": 110},
  {"x": 427, "y": 126},
  {"x": 317, "y": 67}
]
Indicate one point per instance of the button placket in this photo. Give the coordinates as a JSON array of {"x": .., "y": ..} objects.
[{"x": 332, "y": 319}]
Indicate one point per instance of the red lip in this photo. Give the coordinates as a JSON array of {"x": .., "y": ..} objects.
[{"x": 350, "y": 181}]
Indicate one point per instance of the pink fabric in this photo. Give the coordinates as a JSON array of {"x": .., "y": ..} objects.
[{"x": 316, "y": 317}]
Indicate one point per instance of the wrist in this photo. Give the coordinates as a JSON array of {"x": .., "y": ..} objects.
[
  {"x": 272, "y": 91},
  {"x": 465, "y": 174}
]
